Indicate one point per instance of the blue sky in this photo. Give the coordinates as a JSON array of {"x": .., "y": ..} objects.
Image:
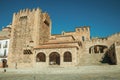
[{"x": 103, "y": 16}]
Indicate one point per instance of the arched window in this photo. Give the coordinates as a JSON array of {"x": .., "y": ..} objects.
[
  {"x": 40, "y": 57},
  {"x": 54, "y": 58},
  {"x": 67, "y": 57}
]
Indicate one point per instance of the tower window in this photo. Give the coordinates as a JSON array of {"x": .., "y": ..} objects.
[
  {"x": 23, "y": 17},
  {"x": 78, "y": 30},
  {"x": 23, "y": 20},
  {"x": 46, "y": 22},
  {"x": 83, "y": 38}
]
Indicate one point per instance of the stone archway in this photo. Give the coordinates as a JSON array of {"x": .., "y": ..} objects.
[
  {"x": 98, "y": 49},
  {"x": 41, "y": 57},
  {"x": 54, "y": 58}
]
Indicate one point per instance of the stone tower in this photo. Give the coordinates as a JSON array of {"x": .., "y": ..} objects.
[{"x": 28, "y": 26}]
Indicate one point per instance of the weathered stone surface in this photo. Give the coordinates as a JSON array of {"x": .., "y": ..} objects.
[{"x": 27, "y": 26}]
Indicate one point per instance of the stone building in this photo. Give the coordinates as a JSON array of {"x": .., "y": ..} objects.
[
  {"x": 4, "y": 45},
  {"x": 32, "y": 44}
]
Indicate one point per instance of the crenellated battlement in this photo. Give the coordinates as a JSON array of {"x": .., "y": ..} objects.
[
  {"x": 83, "y": 29},
  {"x": 115, "y": 35},
  {"x": 31, "y": 16},
  {"x": 27, "y": 11},
  {"x": 99, "y": 40}
]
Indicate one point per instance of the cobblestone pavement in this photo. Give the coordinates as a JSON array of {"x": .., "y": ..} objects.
[
  {"x": 81, "y": 73},
  {"x": 108, "y": 76}
]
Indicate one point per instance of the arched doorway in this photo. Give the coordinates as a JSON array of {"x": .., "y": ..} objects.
[
  {"x": 4, "y": 63},
  {"x": 54, "y": 58},
  {"x": 67, "y": 57},
  {"x": 40, "y": 57}
]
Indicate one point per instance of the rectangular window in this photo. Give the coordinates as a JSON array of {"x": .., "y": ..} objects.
[
  {"x": 83, "y": 38},
  {"x": 23, "y": 17}
]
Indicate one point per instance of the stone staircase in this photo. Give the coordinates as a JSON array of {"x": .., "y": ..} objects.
[{"x": 90, "y": 59}]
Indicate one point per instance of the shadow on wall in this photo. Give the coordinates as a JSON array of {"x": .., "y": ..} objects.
[{"x": 107, "y": 58}]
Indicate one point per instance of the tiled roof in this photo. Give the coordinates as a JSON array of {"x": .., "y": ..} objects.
[
  {"x": 59, "y": 42},
  {"x": 61, "y": 39},
  {"x": 54, "y": 46}
]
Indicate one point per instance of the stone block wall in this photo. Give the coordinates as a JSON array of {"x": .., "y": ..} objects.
[
  {"x": 80, "y": 34},
  {"x": 27, "y": 26}
]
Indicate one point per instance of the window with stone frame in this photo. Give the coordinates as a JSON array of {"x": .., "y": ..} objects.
[
  {"x": 41, "y": 57},
  {"x": 67, "y": 57}
]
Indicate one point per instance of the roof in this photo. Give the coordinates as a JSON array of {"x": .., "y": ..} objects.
[
  {"x": 61, "y": 39},
  {"x": 54, "y": 46},
  {"x": 60, "y": 35},
  {"x": 3, "y": 37},
  {"x": 59, "y": 42}
]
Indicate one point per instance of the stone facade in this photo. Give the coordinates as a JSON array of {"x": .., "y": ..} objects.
[
  {"x": 32, "y": 44},
  {"x": 4, "y": 45},
  {"x": 28, "y": 27}
]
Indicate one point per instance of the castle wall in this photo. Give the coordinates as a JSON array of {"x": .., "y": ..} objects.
[
  {"x": 87, "y": 54},
  {"x": 32, "y": 28},
  {"x": 80, "y": 34},
  {"x": 61, "y": 38},
  {"x": 114, "y": 38},
  {"x": 89, "y": 57}
]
